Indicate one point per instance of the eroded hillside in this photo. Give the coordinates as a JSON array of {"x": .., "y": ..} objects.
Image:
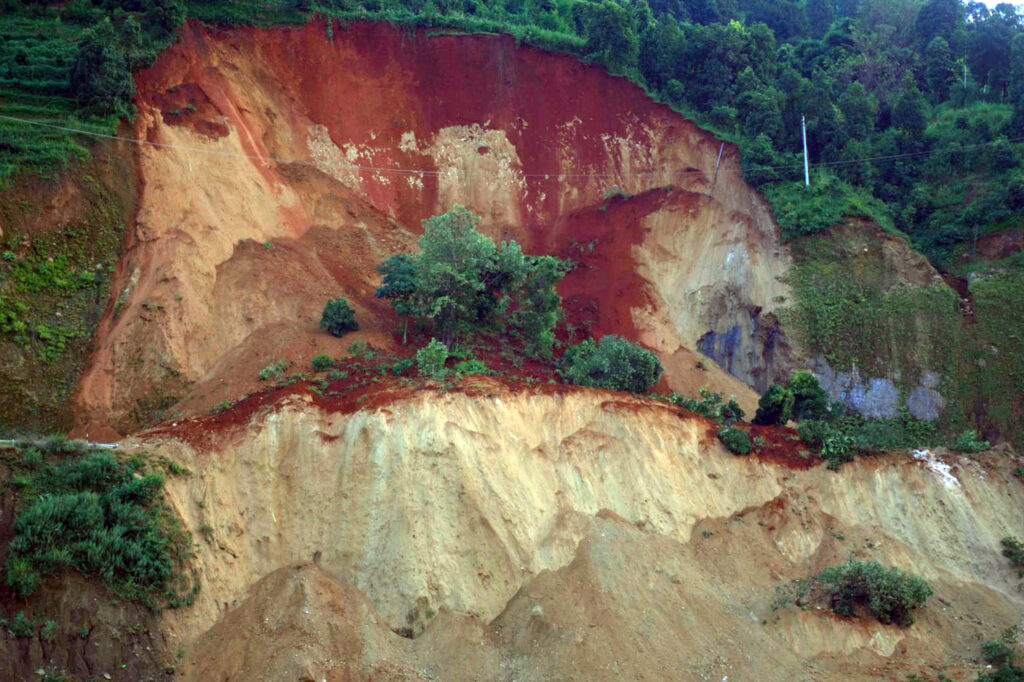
[
  {"x": 287, "y": 163},
  {"x": 562, "y": 535}
]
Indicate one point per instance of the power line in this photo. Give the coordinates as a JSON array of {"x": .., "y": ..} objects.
[{"x": 426, "y": 172}]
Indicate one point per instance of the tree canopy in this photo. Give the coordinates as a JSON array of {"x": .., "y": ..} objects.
[{"x": 462, "y": 283}]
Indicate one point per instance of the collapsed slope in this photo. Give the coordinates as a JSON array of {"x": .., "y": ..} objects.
[
  {"x": 287, "y": 163},
  {"x": 558, "y": 535}
]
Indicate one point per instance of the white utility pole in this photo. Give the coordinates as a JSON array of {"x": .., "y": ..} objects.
[
  {"x": 807, "y": 165},
  {"x": 718, "y": 162}
]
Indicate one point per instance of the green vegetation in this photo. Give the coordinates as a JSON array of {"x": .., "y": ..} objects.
[
  {"x": 431, "y": 358},
  {"x": 322, "y": 363},
  {"x": 735, "y": 440},
  {"x": 709, "y": 405},
  {"x": 69, "y": 65},
  {"x": 887, "y": 594},
  {"x": 1013, "y": 550},
  {"x": 614, "y": 364},
  {"x": 775, "y": 406},
  {"x": 462, "y": 284},
  {"x": 338, "y": 319},
  {"x": 101, "y": 516},
  {"x": 1001, "y": 654},
  {"x": 968, "y": 441},
  {"x": 274, "y": 371}
]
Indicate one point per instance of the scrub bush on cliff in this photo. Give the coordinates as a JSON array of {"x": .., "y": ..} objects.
[
  {"x": 888, "y": 594},
  {"x": 338, "y": 319},
  {"x": 615, "y": 364},
  {"x": 775, "y": 407}
]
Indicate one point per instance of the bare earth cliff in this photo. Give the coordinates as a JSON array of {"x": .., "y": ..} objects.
[
  {"x": 491, "y": 530},
  {"x": 574, "y": 535},
  {"x": 286, "y": 166}
]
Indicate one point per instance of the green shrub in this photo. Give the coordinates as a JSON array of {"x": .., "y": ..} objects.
[
  {"x": 21, "y": 626},
  {"x": 472, "y": 366},
  {"x": 402, "y": 365},
  {"x": 775, "y": 407},
  {"x": 838, "y": 448},
  {"x": 1013, "y": 549},
  {"x": 322, "y": 363},
  {"x": 968, "y": 441},
  {"x": 814, "y": 431},
  {"x": 614, "y": 364},
  {"x": 361, "y": 349},
  {"x": 735, "y": 440},
  {"x": 102, "y": 517},
  {"x": 710, "y": 405},
  {"x": 431, "y": 358},
  {"x": 338, "y": 319},
  {"x": 48, "y": 631},
  {"x": 274, "y": 371},
  {"x": 810, "y": 401},
  {"x": 888, "y": 594},
  {"x": 997, "y": 653}
]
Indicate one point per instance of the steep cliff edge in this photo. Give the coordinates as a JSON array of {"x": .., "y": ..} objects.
[
  {"x": 577, "y": 534},
  {"x": 286, "y": 163}
]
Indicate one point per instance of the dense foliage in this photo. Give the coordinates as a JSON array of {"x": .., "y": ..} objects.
[
  {"x": 338, "y": 318},
  {"x": 462, "y": 283},
  {"x": 736, "y": 441},
  {"x": 614, "y": 363},
  {"x": 69, "y": 64},
  {"x": 888, "y": 594},
  {"x": 92, "y": 512},
  {"x": 1000, "y": 655},
  {"x": 775, "y": 406}
]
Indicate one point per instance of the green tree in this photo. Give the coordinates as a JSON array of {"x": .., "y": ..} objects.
[
  {"x": 820, "y": 15},
  {"x": 1016, "y": 93},
  {"x": 338, "y": 319},
  {"x": 610, "y": 35},
  {"x": 810, "y": 401},
  {"x": 939, "y": 18},
  {"x": 859, "y": 110},
  {"x": 615, "y": 364},
  {"x": 911, "y": 111},
  {"x": 100, "y": 77},
  {"x": 461, "y": 282},
  {"x": 938, "y": 68},
  {"x": 399, "y": 286}
]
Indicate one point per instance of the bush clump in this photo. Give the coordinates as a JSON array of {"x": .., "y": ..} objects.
[
  {"x": 710, "y": 405},
  {"x": 103, "y": 518},
  {"x": 614, "y": 364},
  {"x": 1000, "y": 654},
  {"x": 775, "y": 407},
  {"x": 472, "y": 366},
  {"x": 322, "y": 363},
  {"x": 969, "y": 441},
  {"x": 431, "y": 358},
  {"x": 735, "y": 440},
  {"x": 274, "y": 371},
  {"x": 888, "y": 594},
  {"x": 338, "y": 318},
  {"x": 810, "y": 401}
]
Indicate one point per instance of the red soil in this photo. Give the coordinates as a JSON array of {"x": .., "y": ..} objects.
[{"x": 371, "y": 89}]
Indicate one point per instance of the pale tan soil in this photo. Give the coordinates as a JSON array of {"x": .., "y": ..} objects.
[{"x": 582, "y": 535}]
